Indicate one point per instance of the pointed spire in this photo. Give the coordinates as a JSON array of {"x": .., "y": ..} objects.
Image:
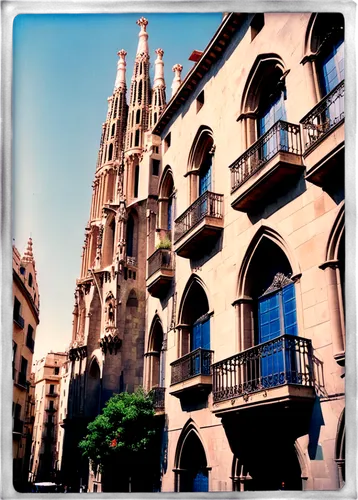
[
  {"x": 177, "y": 68},
  {"x": 28, "y": 255},
  {"x": 159, "y": 69},
  {"x": 121, "y": 70},
  {"x": 143, "y": 36}
]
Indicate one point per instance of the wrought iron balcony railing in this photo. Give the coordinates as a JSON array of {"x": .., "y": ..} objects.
[
  {"x": 160, "y": 259},
  {"x": 328, "y": 113},
  {"x": 19, "y": 320},
  {"x": 158, "y": 398},
  {"x": 192, "y": 364},
  {"x": 207, "y": 205},
  {"x": 282, "y": 136},
  {"x": 285, "y": 360}
]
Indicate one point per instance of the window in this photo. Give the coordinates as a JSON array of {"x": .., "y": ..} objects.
[
  {"x": 256, "y": 25},
  {"x": 14, "y": 349},
  {"x": 167, "y": 141},
  {"x": 17, "y": 411},
  {"x": 56, "y": 370},
  {"x": 130, "y": 235},
  {"x": 136, "y": 139},
  {"x": 137, "y": 117},
  {"x": 29, "y": 338},
  {"x": 136, "y": 181},
  {"x": 51, "y": 405},
  {"x": 17, "y": 308},
  {"x": 22, "y": 271},
  {"x": 200, "y": 101},
  {"x": 110, "y": 152},
  {"x": 205, "y": 175},
  {"x": 23, "y": 372},
  {"x": 113, "y": 129},
  {"x": 30, "y": 280},
  {"x": 52, "y": 389},
  {"x": 155, "y": 167},
  {"x": 155, "y": 149}
]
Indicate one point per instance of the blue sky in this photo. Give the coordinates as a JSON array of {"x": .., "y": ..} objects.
[{"x": 64, "y": 69}]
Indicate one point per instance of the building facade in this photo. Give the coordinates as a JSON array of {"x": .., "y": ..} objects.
[
  {"x": 25, "y": 321},
  {"x": 213, "y": 267},
  {"x": 44, "y": 453}
]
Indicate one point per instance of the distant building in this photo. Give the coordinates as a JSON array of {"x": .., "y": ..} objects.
[
  {"x": 62, "y": 417},
  {"x": 47, "y": 394},
  {"x": 25, "y": 321}
]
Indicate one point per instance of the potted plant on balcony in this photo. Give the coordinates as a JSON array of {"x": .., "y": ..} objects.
[{"x": 164, "y": 244}]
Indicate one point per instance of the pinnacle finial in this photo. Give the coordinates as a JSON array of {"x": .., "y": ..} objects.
[
  {"x": 143, "y": 36},
  {"x": 159, "y": 69},
  {"x": 142, "y": 22},
  {"x": 177, "y": 68},
  {"x": 160, "y": 53},
  {"x": 121, "y": 69},
  {"x": 28, "y": 255}
]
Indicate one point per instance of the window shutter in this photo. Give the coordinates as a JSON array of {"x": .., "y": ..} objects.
[
  {"x": 205, "y": 334},
  {"x": 196, "y": 337},
  {"x": 269, "y": 318},
  {"x": 289, "y": 309}
]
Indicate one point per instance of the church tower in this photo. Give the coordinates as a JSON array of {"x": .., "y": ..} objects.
[{"x": 107, "y": 348}]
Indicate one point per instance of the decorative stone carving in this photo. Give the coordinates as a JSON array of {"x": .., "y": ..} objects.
[
  {"x": 279, "y": 281},
  {"x": 110, "y": 343}
]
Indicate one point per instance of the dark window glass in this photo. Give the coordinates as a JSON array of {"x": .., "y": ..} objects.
[{"x": 155, "y": 167}]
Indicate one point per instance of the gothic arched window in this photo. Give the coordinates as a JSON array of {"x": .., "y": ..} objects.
[
  {"x": 110, "y": 152},
  {"x": 136, "y": 181}
]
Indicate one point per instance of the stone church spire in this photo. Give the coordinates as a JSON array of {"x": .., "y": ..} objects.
[
  {"x": 28, "y": 254},
  {"x": 158, "y": 90},
  {"x": 139, "y": 95},
  {"x": 108, "y": 169}
]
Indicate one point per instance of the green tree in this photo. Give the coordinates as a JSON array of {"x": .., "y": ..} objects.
[{"x": 125, "y": 433}]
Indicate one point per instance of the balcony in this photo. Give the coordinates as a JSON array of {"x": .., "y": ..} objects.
[
  {"x": 267, "y": 168},
  {"x": 279, "y": 370},
  {"x": 19, "y": 321},
  {"x": 158, "y": 399},
  {"x": 199, "y": 227},
  {"x": 160, "y": 272},
  {"x": 131, "y": 261},
  {"x": 192, "y": 373},
  {"x": 323, "y": 138},
  {"x": 51, "y": 409},
  {"x": 52, "y": 394}
]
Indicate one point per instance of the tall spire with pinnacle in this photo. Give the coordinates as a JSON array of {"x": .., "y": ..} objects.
[
  {"x": 177, "y": 68},
  {"x": 28, "y": 255},
  {"x": 139, "y": 94},
  {"x": 158, "y": 91},
  {"x": 110, "y": 159}
]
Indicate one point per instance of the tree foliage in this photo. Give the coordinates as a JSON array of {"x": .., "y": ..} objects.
[{"x": 124, "y": 432}]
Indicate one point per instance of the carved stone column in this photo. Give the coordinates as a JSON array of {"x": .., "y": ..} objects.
[
  {"x": 312, "y": 96},
  {"x": 334, "y": 292}
]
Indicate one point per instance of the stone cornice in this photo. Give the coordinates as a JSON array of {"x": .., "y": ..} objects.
[{"x": 213, "y": 52}]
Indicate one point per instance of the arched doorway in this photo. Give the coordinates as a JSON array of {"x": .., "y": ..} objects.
[
  {"x": 192, "y": 464},
  {"x": 155, "y": 355}
]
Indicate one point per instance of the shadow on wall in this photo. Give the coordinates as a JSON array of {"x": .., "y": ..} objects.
[
  {"x": 211, "y": 252},
  {"x": 314, "y": 448},
  {"x": 189, "y": 405},
  {"x": 264, "y": 210}
]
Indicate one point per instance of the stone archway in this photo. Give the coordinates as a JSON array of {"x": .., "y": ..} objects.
[{"x": 192, "y": 471}]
